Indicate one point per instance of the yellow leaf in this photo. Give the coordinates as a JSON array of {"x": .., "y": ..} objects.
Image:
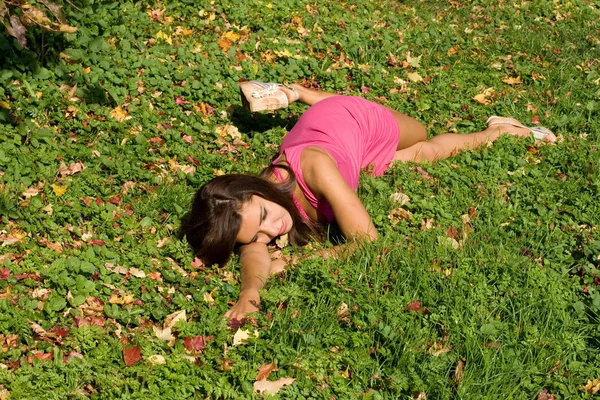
[
  {"x": 284, "y": 53},
  {"x": 4, "y": 104},
  {"x": 164, "y": 36},
  {"x": 67, "y": 28},
  {"x": 414, "y": 76},
  {"x": 415, "y": 62},
  {"x": 87, "y": 70},
  {"x": 242, "y": 336},
  {"x": 513, "y": 81},
  {"x": 59, "y": 190},
  {"x": 592, "y": 387},
  {"x": 124, "y": 299},
  {"x": 119, "y": 114},
  {"x": 232, "y": 36},
  {"x": 157, "y": 359},
  {"x": 230, "y": 130},
  {"x": 208, "y": 298}
]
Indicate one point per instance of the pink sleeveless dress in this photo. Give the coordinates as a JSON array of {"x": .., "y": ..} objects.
[{"x": 357, "y": 133}]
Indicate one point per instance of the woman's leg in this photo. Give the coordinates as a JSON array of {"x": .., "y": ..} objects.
[
  {"x": 413, "y": 144},
  {"x": 449, "y": 144},
  {"x": 305, "y": 95}
]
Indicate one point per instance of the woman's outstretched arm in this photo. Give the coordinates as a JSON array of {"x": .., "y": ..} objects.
[
  {"x": 325, "y": 180},
  {"x": 256, "y": 264}
]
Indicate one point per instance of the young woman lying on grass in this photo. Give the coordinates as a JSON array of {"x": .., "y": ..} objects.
[{"x": 313, "y": 180}]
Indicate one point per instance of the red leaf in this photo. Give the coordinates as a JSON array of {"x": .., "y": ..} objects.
[
  {"x": 535, "y": 120},
  {"x": 453, "y": 233},
  {"x": 4, "y": 274},
  {"x": 40, "y": 356},
  {"x": 197, "y": 343},
  {"x": 131, "y": 355},
  {"x": 235, "y": 323},
  {"x": 156, "y": 140},
  {"x": 96, "y": 242},
  {"x": 179, "y": 100},
  {"x": 365, "y": 89},
  {"x": 543, "y": 395},
  {"x": 98, "y": 321},
  {"x": 62, "y": 332},
  {"x": 415, "y": 306}
]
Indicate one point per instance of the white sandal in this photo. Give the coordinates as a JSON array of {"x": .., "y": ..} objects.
[
  {"x": 539, "y": 132},
  {"x": 259, "y": 96}
]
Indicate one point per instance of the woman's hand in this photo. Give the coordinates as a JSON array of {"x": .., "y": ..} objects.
[{"x": 247, "y": 303}]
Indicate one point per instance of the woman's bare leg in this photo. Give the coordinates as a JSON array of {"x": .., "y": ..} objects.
[
  {"x": 306, "y": 96},
  {"x": 449, "y": 144},
  {"x": 413, "y": 144}
]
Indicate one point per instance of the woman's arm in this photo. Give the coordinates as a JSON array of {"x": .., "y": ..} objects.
[
  {"x": 256, "y": 264},
  {"x": 323, "y": 177}
]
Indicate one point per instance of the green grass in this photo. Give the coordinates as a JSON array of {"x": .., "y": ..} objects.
[{"x": 516, "y": 307}]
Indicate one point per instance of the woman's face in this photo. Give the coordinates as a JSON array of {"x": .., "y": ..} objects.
[{"x": 263, "y": 221}]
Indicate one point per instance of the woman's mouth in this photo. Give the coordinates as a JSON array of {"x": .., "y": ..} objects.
[{"x": 283, "y": 226}]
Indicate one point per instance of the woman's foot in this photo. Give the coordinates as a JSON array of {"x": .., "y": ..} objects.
[
  {"x": 259, "y": 96},
  {"x": 514, "y": 127}
]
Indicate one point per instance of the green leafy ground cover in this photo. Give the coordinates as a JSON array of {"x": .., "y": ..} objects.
[{"x": 487, "y": 288}]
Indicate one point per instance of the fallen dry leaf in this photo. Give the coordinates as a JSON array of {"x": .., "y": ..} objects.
[
  {"x": 242, "y": 336},
  {"x": 459, "y": 371},
  {"x": 119, "y": 114},
  {"x": 265, "y": 370},
  {"x": 414, "y": 77},
  {"x": 228, "y": 130},
  {"x": 59, "y": 190},
  {"x": 592, "y": 386},
  {"x": 485, "y": 96},
  {"x": 513, "y": 80},
  {"x": 399, "y": 214},
  {"x": 399, "y": 199},
  {"x": 131, "y": 355},
  {"x": 121, "y": 299},
  {"x": 157, "y": 359},
  {"x": 272, "y": 387},
  {"x": 415, "y": 62}
]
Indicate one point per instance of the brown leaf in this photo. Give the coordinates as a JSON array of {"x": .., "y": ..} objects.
[
  {"x": 55, "y": 9},
  {"x": 265, "y": 370},
  {"x": 273, "y": 387},
  {"x": 459, "y": 371},
  {"x": 398, "y": 215},
  {"x": 131, "y": 355},
  {"x": 17, "y": 30}
]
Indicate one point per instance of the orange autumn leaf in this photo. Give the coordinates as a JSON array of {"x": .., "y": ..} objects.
[
  {"x": 512, "y": 81},
  {"x": 131, "y": 355},
  {"x": 265, "y": 370}
]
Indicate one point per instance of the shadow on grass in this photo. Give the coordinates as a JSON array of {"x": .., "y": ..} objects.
[{"x": 252, "y": 123}]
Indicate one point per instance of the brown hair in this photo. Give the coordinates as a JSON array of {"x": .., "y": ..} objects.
[{"x": 212, "y": 225}]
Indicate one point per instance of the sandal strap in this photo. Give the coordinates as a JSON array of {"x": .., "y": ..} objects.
[
  {"x": 264, "y": 89},
  {"x": 293, "y": 90}
]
